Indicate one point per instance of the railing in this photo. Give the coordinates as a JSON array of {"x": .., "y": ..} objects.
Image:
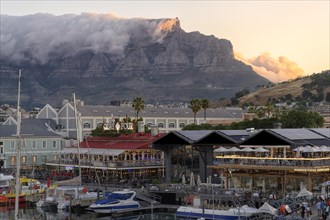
[
  {"x": 288, "y": 162},
  {"x": 108, "y": 164}
]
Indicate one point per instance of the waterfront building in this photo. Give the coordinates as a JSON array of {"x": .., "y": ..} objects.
[
  {"x": 121, "y": 158},
  {"x": 270, "y": 159},
  {"x": 166, "y": 119},
  {"x": 40, "y": 142}
]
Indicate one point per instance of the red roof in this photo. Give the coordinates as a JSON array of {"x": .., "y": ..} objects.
[{"x": 124, "y": 141}]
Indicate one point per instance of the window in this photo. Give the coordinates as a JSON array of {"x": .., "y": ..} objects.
[
  {"x": 44, "y": 144},
  {"x": 12, "y": 145},
  {"x": 54, "y": 144},
  {"x": 24, "y": 159},
  {"x": 160, "y": 125},
  {"x": 34, "y": 146},
  {"x": 182, "y": 125},
  {"x": 87, "y": 125},
  {"x": 55, "y": 157},
  {"x": 13, "y": 160},
  {"x": 34, "y": 159},
  {"x": 171, "y": 125},
  {"x": 1, "y": 150}
]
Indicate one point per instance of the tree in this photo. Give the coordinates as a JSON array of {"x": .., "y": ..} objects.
[
  {"x": 195, "y": 105},
  {"x": 205, "y": 103},
  {"x": 138, "y": 105},
  {"x": 302, "y": 119}
]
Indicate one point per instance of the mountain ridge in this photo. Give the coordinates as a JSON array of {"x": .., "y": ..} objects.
[{"x": 178, "y": 66}]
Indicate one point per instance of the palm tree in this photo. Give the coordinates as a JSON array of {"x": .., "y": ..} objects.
[
  {"x": 205, "y": 105},
  {"x": 195, "y": 105},
  {"x": 138, "y": 105}
]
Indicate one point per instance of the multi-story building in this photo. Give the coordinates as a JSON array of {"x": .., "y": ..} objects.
[
  {"x": 39, "y": 142},
  {"x": 166, "y": 119}
]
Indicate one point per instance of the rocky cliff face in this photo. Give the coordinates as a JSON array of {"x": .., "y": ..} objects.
[{"x": 177, "y": 67}]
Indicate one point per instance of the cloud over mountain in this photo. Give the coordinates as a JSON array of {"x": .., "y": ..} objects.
[
  {"x": 275, "y": 69},
  {"x": 39, "y": 38}
]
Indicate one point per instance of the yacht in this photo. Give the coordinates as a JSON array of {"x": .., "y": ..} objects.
[{"x": 116, "y": 201}]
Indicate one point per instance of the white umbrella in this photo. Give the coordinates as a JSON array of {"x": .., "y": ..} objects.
[
  {"x": 221, "y": 150},
  {"x": 234, "y": 149},
  {"x": 192, "y": 179},
  {"x": 261, "y": 150},
  {"x": 326, "y": 183},
  {"x": 247, "y": 149},
  {"x": 183, "y": 179}
]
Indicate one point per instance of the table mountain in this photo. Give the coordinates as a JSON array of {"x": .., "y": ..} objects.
[{"x": 178, "y": 66}]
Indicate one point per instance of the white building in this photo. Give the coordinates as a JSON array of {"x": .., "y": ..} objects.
[{"x": 167, "y": 119}]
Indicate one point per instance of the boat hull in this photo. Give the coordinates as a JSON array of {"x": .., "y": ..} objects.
[
  {"x": 196, "y": 213},
  {"x": 105, "y": 209}
]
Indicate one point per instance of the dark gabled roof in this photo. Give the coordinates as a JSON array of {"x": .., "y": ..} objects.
[
  {"x": 265, "y": 137},
  {"x": 31, "y": 126},
  {"x": 216, "y": 138},
  {"x": 293, "y": 137},
  {"x": 322, "y": 131},
  {"x": 236, "y": 135},
  {"x": 172, "y": 138}
]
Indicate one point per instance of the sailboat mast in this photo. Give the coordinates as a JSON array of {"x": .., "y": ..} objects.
[
  {"x": 18, "y": 157},
  {"x": 78, "y": 133}
]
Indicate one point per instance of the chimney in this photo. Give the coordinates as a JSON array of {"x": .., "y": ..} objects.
[
  {"x": 277, "y": 125},
  {"x": 154, "y": 130},
  {"x": 140, "y": 127}
]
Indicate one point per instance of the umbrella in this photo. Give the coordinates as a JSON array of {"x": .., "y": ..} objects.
[
  {"x": 326, "y": 183},
  {"x": 261, "y": 150},
  {"x": 234, "y": 149},
  {"x": 247, "y": 149},
  {"x": 183, "y": 179},
  {"x": 221, "y": 150},
  {"x": 192, "y": 179}
]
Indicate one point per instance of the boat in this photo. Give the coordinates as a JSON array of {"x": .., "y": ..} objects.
[
  {"x": 7, "y": 194},
  {"x": 241, "y": 213},
  {"x": 29, "y": 188},
  {"x": 116, "y": 201}
]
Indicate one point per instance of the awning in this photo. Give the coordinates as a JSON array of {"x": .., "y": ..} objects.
[{"x": 93, "y": 151}]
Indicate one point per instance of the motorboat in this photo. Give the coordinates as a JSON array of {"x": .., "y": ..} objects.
[
  {"x": 116, "y": 201},
  {"x": 241, "y": 213}
]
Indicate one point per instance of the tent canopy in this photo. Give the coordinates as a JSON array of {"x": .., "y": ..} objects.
[
  {"x": 305, "y": 193},
  {"x": 266, "y": 208}
]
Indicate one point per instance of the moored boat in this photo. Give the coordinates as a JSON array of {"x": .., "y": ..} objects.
[
  {"x": 29, "y": 187},
  {"x": 241, "y": 213},
  {"x": 116, "y": 201}
]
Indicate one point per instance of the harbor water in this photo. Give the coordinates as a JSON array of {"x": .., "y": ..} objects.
[{"x": 27, "y": 212}]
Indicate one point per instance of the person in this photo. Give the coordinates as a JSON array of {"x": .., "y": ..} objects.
[
  {"x": 325, "y": 212},
  {"x": 318, "y": 208},
  {"x": 308, "y": 212},
  {"x": 302, "y": 212}
]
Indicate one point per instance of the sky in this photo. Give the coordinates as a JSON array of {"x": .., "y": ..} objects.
[{"x": 288, "y": 38}]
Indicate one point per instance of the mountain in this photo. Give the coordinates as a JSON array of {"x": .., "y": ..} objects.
[
  {"x": 162, "y": 63},
  {"x": 313, "y": 88}
]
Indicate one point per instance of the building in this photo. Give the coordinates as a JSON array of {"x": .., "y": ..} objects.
[
  {"x": 166, "y": 119},
  {"x": 272, "y": 159},
  {"x": 39, "y": 144},
  {"x": 125, "y": 157}
]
